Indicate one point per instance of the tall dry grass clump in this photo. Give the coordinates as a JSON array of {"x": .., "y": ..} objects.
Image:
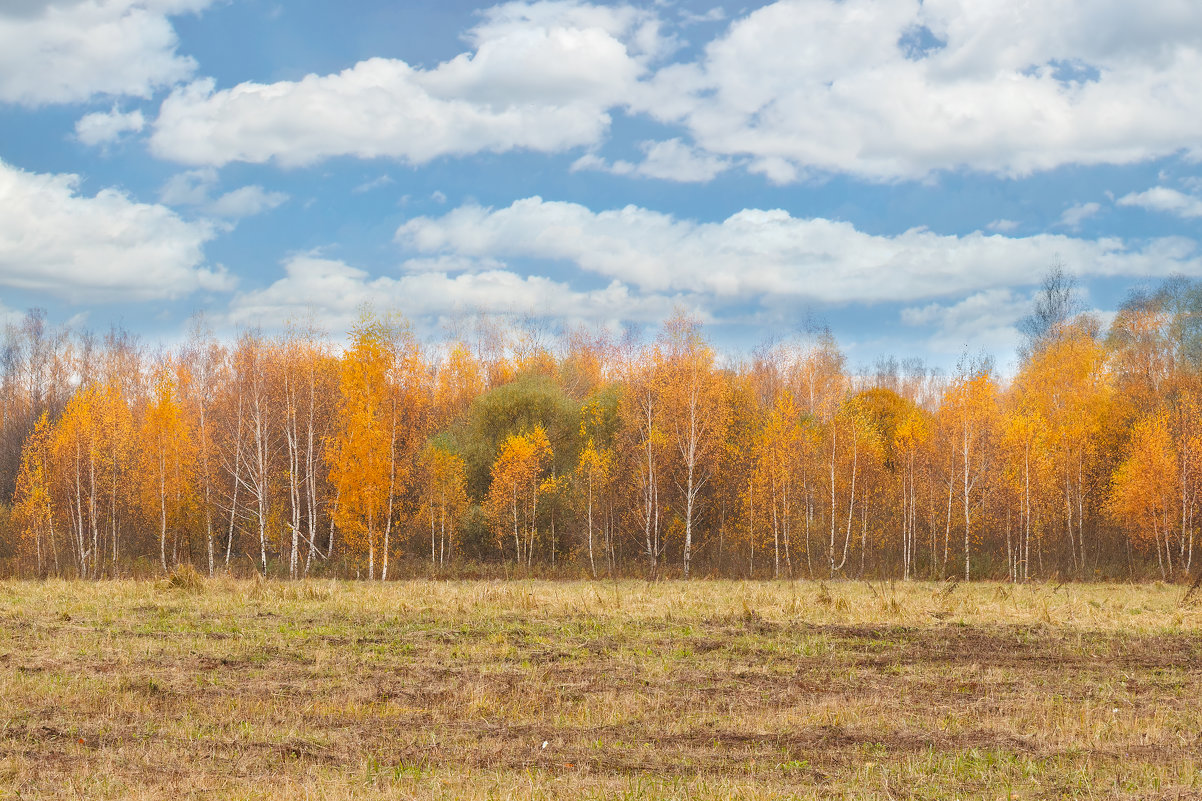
[{"x": 185, "y": 577}]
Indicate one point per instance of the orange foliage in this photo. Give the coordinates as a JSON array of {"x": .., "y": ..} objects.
[{"x": 515, "y": 489}]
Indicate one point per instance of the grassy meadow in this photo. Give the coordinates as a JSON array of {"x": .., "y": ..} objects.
[{"x": 707, "y": 689}]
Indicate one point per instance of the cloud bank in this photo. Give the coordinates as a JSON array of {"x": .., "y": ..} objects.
[
  {"x": 107, "y": 247},
  {"x": 769, "y": 256},
  {"x": 541, "y": 77},
  {"x": 66, "y": 51},
  {"x": 884, "y": 90}
]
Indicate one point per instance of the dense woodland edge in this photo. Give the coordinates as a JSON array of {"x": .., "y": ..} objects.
[{"x": 509, "y": 452}]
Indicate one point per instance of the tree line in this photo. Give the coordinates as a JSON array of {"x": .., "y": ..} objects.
[{"x": 584, "y": 453}]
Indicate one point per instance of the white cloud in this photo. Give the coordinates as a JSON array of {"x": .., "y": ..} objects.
[
  {"x": 772, "y": 258},
  {"x": 1164, "y": 199},
  {"x": 881, "y": 89},
  {"x": 541, "y": 77},
  {"x": 901, "y": 88},
  {"x": 189, "y": 188},
  {"x": 336, "y": 291},
  {"x": 1003, "y": 226},
  {"x": 715, "y": 14},
  {"x": 984, "y": 320},
  {"x": 776, "y": 169},
  {"x": 195, "y": 188},
  {"x": 591, "y": 161},
  {"x": 672, "y": 160},
  {"x": 103, "y": 127},
  {"x": 106, "y": 247},
  {"x": 65, "y": 51},
  {"x": 1073, "y": 216},
  {"x": 245, "y": 201},
  {"x": 375, "y": 183}
]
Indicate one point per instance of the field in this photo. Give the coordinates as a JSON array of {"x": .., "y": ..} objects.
[{"x": 242, "y": 689}]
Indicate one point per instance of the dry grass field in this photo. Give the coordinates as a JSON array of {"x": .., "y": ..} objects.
[{"x": 226, "y": 689}]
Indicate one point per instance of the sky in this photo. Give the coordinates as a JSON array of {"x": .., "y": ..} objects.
[{"x": 902, "y": 171}]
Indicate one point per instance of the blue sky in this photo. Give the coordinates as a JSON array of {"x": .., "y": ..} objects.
[{"x": 905, "y": 171}]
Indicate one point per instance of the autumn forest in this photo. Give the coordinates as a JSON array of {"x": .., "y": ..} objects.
[{"x": 509, "y": 451}]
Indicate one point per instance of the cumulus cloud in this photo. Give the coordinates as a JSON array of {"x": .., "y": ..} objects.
[
  {"x": 336, "y": 291},
  {"x": 245, "y": 201},
  {"x": 715, "y": 14},
  {"x": 65, "y": 51},
  {"x": 984, "y": 320},
  {"x": 1003, "y": 226},
  {"x": 672, "y": 160},
  {"x": 757, "y": 266},
  {"x": 541, "y": 77},
  {"x": 1074, "y": 215},
  {"x": 195, "y": 188},
  {"x": 54, "y": 239},
  {"x": 103, "y": 127},
  {"x": 1164, "y": 199},
  {"x": 376, "y": 183},
  {"x": 772, "y": 257},
  {"x": 899, "y": 89},
  {"x": 881, "y": 89},
  {"x": 189, "y": 188}
]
